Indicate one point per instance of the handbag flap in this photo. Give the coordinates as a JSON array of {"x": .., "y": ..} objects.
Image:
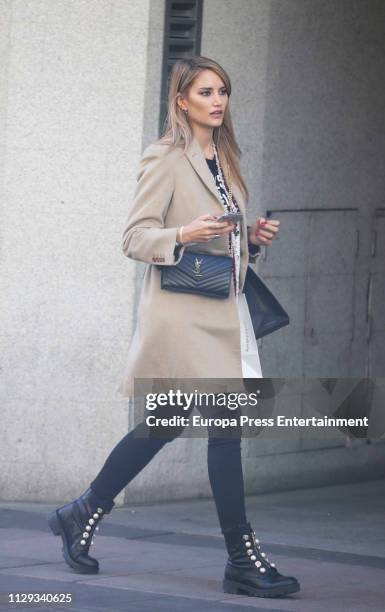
[{"x": 200, "y": 272}]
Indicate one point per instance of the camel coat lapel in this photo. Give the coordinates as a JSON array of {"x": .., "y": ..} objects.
[{"x": 197, "y": 159}]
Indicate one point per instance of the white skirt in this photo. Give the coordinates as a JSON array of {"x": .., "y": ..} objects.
[{"x": 251, "y": 365}]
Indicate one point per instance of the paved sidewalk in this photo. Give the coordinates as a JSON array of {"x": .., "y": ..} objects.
[{"x": 170, "y": 557}]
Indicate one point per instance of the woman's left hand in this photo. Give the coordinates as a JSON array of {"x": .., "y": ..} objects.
[{"x": 263, "y": 232}]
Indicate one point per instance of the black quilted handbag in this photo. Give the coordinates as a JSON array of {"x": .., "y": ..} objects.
[
  {"x": 267, "y": 314},
  {"x": 199, "y": 273}
]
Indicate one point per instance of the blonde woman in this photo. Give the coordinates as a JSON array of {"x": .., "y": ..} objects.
[{"x": 187, "y": 180}]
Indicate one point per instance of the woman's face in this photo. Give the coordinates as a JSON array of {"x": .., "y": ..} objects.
[{"x": 207, "y": 93}]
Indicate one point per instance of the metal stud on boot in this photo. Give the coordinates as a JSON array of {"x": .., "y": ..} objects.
[
  {"x": 249, "y": 571},
  {"x": 76, "y": 523}
]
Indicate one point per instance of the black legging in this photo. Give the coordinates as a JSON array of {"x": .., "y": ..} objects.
[{"x": 224, "y": 463}]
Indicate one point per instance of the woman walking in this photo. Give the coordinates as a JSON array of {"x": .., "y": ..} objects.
[{"x": 187, "y": 180}]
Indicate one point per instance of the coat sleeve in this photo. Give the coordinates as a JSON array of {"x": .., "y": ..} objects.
[
  {"x": 145, "y": 237},
  {"x": 254, "y": 251}
]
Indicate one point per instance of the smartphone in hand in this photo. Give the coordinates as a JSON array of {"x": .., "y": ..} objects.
[{"x": 235, "y": 217}]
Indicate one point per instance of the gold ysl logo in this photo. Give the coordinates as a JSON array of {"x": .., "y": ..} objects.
[{"x": 197, "y": 266}]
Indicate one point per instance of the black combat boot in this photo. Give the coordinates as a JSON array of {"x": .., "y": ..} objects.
[
  {"x": 249, "y": 571},
  {"x": 76, "y": 523}
]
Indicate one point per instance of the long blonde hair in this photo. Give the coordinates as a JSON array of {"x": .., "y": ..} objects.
[{"x": 177, "y": 131}]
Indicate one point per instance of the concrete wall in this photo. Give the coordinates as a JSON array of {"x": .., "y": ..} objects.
[
  {"x": 72, "y": 101},
  {"x": 79, "y": 99}
]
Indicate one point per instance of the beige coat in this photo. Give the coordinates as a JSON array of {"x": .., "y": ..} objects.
[{"x": 179, "y": 335}]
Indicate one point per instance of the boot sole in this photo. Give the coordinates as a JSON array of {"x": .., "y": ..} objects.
[
  {"x": 57, "y": 530},
  {"x": 237, "y": 588}
]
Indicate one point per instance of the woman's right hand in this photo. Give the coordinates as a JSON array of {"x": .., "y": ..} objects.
[{"x": 204, "y": 228}]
